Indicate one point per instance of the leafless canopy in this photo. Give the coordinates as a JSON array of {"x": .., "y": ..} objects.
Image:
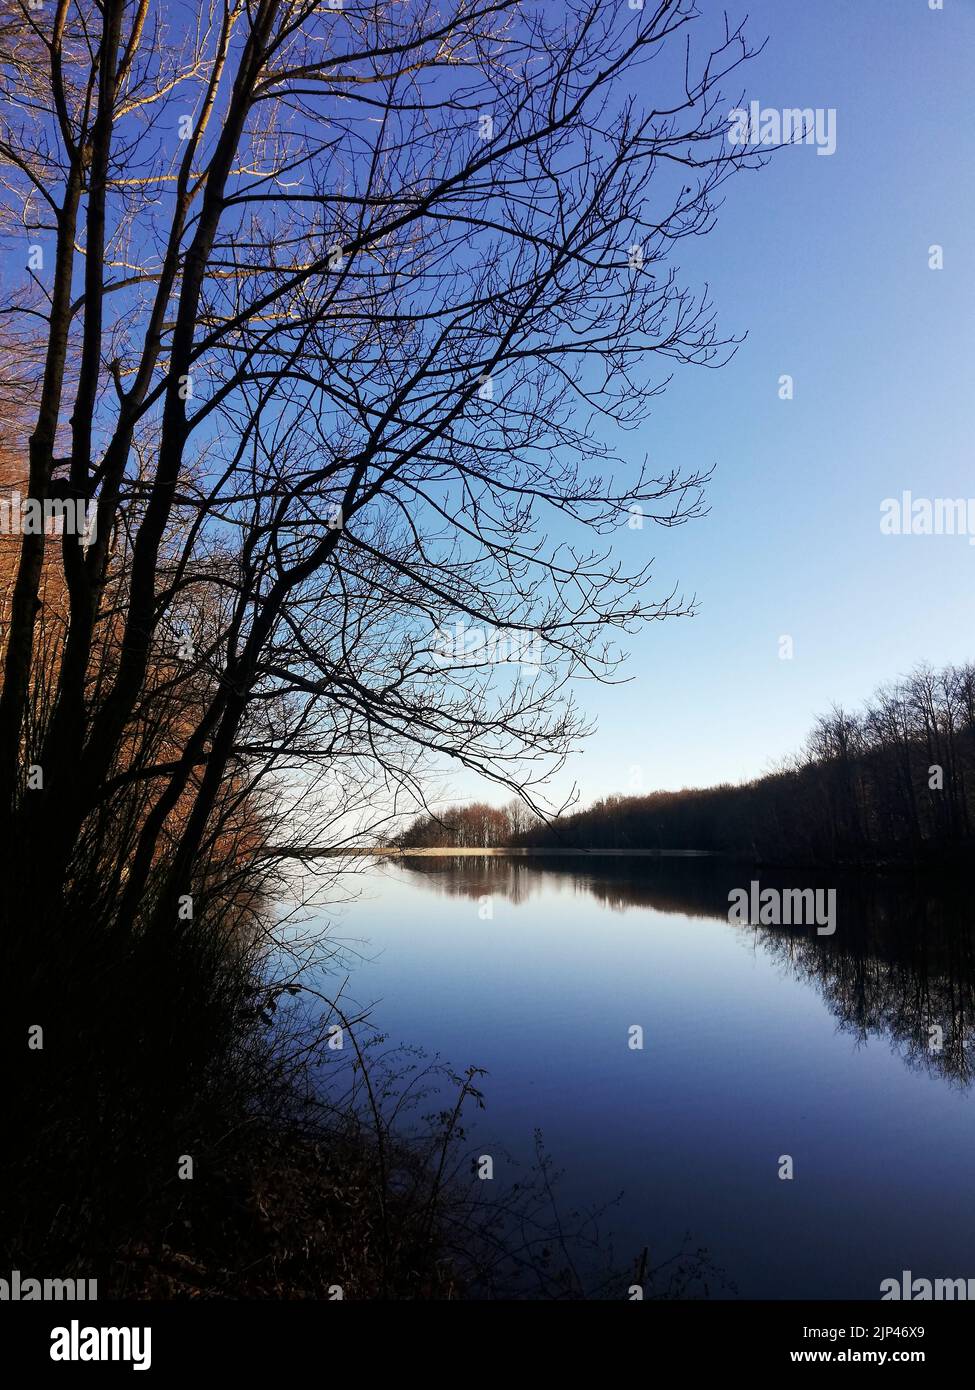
[{"x": 338, "y": 311}]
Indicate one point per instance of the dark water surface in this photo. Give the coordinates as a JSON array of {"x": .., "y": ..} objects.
[{"x": 758, "y": 1043}]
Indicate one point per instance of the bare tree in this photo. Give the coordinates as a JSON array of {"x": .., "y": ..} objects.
[{"x": 339, "y": 312}]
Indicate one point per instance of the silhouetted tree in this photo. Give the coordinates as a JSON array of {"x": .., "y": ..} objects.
[{"x": 318, "y": 292}]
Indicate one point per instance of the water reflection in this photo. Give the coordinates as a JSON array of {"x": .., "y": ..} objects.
[{"x": 900, "y": 966}]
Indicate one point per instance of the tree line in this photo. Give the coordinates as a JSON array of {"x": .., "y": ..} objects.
[{"x": 893, "y": 781}]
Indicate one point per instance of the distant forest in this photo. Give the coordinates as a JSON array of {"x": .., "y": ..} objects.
[{"x": 894, "y": 782}]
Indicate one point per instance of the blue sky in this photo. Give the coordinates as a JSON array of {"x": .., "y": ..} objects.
[{"x": 823, "y": 261}]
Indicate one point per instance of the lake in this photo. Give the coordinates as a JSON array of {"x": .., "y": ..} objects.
[{"x": 757, "y": 1043}]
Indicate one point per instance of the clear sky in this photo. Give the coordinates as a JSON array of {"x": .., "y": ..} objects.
[{"x": 823, "y": 261}]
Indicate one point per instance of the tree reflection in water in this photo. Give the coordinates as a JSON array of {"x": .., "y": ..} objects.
[{"x": 900, "y": 966}]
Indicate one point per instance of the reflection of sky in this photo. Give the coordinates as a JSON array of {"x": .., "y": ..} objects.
[
  {"x": 824, "y": 262},
  {"x": 742, "y": 1062}
]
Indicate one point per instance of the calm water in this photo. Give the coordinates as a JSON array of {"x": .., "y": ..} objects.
[{"x": 758, "y": 1042}]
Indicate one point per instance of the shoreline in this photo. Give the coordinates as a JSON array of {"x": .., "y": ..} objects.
[
  {"x": 912, "y": 866},
  {"x": 527, "y": 851}
]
